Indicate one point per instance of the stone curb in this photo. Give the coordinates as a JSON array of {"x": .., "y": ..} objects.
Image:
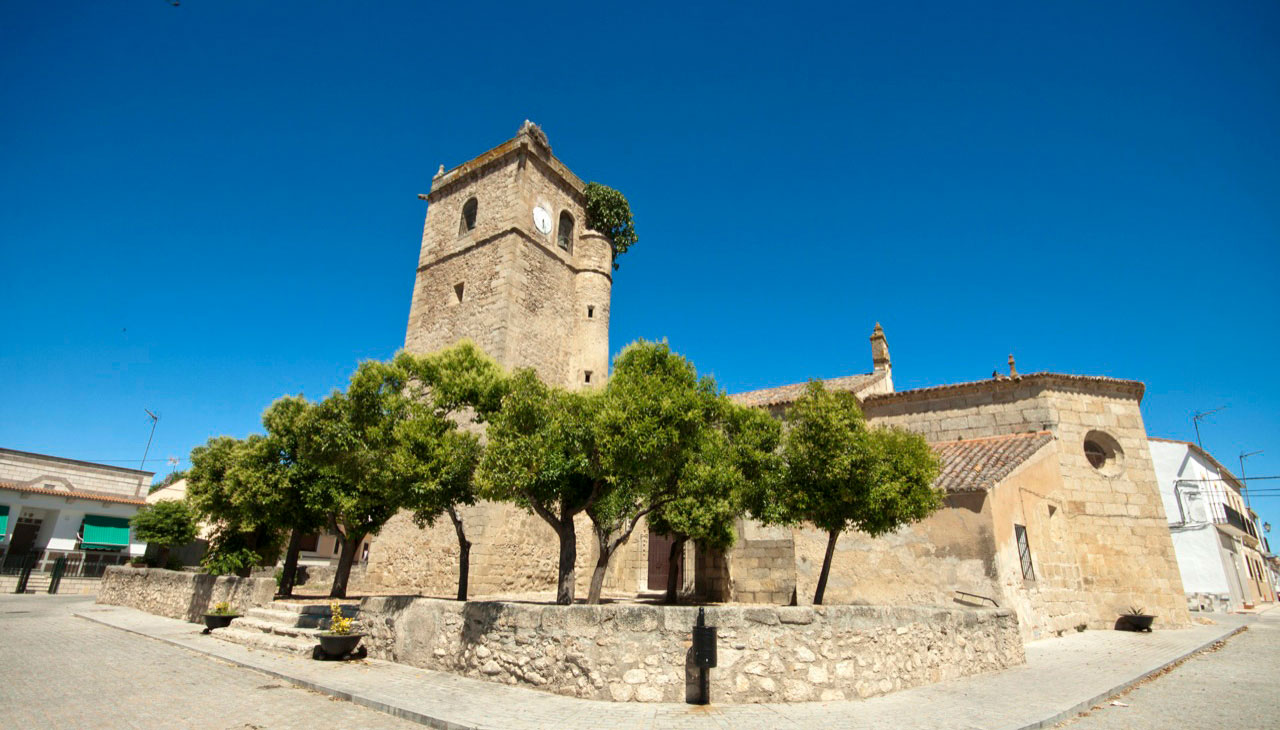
[
  {"x": 366, "y": 700},
  {"x": 1071, "y": 712}
]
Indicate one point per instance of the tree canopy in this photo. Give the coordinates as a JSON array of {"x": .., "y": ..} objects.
[
  {"x": 609, "y": 213},
  {"x": 166, "y": 524},
  {"x": 842, "y": 475},
  {"x": 446, "y": 393},
  {"x": 542, "y": 455}
]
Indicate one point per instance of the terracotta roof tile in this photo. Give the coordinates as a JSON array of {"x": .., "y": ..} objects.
[
  {"x": 974, "y": 465},
  {"x": 789, "y": 393},
  {"x": 95, "y": 496}
]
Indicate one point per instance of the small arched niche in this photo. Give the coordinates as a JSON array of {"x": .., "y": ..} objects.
[
  {"x": 469, "y": 210},
  {"x": 564, "y": 232}
]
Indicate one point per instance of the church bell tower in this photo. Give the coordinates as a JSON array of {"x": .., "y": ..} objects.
[{"x": 507, "y": 262}]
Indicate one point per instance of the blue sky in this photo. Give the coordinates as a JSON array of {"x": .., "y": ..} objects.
[{"x": 205, "y": 207}]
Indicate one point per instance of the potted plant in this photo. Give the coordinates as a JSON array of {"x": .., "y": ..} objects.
[
  {"x": 1135, "y": 619},
  {"x": 220, "y": 617},
  {"x": 342, "y": 638}
]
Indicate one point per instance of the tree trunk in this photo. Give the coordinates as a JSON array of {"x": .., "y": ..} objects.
[
  {"x": 826, "y": 568},
  {"x": 348, "y": 556},
  {"x": 464, "y": 554},
  {"x": 289, "y": 573},
  {"x": 605, "y": 551},
  {"x": 568, "y": 556},
  {"x": 163, "y": 557},
  {"x": 675, "y": 565}
]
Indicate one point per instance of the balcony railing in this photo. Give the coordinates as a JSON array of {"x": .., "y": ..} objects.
[{"x": 1238, "y": 521}]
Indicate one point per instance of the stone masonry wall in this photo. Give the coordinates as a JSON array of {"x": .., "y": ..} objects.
[
  {"x": 181, "y": 595},
  {"x": 920, "y": 564},
  {"x": 512, "y": 552},
  {"x": 1113, "y": 517},
  {"x": 642, "y": 653}
]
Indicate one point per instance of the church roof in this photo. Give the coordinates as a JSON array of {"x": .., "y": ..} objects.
[
  {"x": 974, "y": 465},
  {"x": 1133, "y": 388},
  {"x": 784, "y": 394}
]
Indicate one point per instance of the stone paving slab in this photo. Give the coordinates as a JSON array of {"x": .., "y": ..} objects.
[{"x": 1062, "y": 677}]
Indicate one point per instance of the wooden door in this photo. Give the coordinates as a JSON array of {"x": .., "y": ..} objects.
[{"x": 659, "y": 561}]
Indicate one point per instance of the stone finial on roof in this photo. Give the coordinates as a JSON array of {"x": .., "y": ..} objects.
[
  {"x": 439, "y": 172},
  {"x": 879, "y": 349},
  {"x": 1013, "y": 369},
  {"x": 536, "y": 133}
]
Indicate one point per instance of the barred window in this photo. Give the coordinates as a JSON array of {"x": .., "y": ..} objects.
[{"x": 1024, "y": 552}]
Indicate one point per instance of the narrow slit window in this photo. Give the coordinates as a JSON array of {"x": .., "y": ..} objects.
[
  {"x": 469, "y": 210},
  {"x": 587, "y": 377},
  {"x": 591, "y": 311},
  {"x": 1024, "y": 552},
  {"x": 457, "y": 291}
]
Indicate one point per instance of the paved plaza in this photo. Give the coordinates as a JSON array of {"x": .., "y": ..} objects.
[
  {"x": 59, "y": 671},
  {"x": 112, "y": 667}
]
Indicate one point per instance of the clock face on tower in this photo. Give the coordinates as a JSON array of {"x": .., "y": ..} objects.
[{"x": 542, "y": 220}]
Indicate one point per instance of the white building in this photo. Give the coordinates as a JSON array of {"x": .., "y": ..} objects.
[
  {"x": 1216, "y": 543},
  {"x": 51, "y": 507}
]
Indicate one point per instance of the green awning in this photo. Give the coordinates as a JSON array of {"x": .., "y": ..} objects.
[
  {"x": 4, "y": 520},
  {"x": 104, "y": 533}
]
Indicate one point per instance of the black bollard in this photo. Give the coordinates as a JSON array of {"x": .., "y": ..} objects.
[
  {"x": 59, "y": 567},
  {"x": 704, "y": 655},
  {"x": 28, "y": 562}
]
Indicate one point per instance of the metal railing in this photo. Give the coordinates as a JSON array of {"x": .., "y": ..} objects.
[{"x": 1238, "y": 521}]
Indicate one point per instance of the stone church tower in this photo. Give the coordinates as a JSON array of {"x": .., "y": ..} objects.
[{"x": 507, "y": 261}]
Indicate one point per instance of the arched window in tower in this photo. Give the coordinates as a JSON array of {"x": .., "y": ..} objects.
[
  {"x": 469, "y": 209},
  {"x": 564, "y": 236}
]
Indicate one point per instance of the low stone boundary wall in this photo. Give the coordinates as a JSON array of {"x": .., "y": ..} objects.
[
  {"x": 179, "y": 594},
  {"x": 642, "y": 652}
]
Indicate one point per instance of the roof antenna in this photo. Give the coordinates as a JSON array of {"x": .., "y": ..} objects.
[
  {"x": 155, "y": 418},
  {"x": 1199, "y": 416}
]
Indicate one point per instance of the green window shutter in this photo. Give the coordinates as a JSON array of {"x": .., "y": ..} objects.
[
  {"x": 104, "y": 533},
  {"x": 4, "y": 520}
]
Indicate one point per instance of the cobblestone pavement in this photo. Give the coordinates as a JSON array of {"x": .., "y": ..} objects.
[
  {"x": 59, "y": 671},
  {"x": 1233, "y": 687},
  {"x": 1061, "y": 677}
]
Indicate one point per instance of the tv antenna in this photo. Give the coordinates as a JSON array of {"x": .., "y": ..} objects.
[
  {"x": 155, "y": 418},
  {"x": 1244, "y": 481},
  {"x": 1199, "y": 416}
]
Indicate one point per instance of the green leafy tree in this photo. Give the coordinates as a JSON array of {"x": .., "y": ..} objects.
[
  {"x": 226, "y": 483},
  {"x": 649, "y": 425},
  {"x": 445, "y": 391},
  {"x": 842, "y": 475},
  {"x": 736, "y": 459},
  {"x": 541, "y": 455},
  {"x": 609, "y": 213},
  {"x": 167, "y": 524},
  {"x": 293, "y": 484},
  {"x": 352, "y": 438}
]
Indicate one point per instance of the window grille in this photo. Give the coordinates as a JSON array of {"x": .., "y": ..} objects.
[{"x": 1024, "y": 552}]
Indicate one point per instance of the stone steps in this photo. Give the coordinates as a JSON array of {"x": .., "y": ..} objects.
[
  {"x": 288, "y": 618},
  {"x": 269, "y": 641},
  {"x": 248, "y": 623},
  {"x": 286, "y": 626}
]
